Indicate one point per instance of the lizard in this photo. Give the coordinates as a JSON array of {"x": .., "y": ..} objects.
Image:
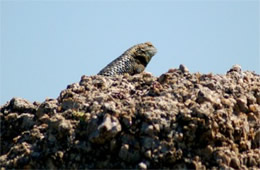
[{"x": 132, "y": 61}]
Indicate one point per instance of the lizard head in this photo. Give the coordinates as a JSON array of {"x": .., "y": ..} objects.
[{"x": 144, "y": 53}]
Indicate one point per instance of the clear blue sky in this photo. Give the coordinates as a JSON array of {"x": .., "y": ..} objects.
[{"x": 46, "y": 45}]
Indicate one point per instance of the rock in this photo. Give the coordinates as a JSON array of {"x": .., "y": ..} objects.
[
  {"x": 183, "y": 68},
  {"x": 235, "y": 163},
  {"x": 123, "y": 154},
  {"x": 21, "y": 105},
  {"x": 242, "y": 103},
  {"x": 236, "y": 68},
  {"x": 179, "y": 120},
  {"x": 27, "y": 120},
  {"x": 49, "y": 106},
  {"x": 256, "y": 140},
  {"x": 142, "y": 165},
  {"x": 108, "y": 129},
  {"x": 128, "y": 155}
]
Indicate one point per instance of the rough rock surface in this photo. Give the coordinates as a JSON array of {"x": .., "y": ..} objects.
[{"x": 177, "y": 120}]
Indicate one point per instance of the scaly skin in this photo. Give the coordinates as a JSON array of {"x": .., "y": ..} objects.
[{"x": 132, "y": 61}]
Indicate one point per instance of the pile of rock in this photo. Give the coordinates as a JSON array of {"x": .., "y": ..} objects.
[{"x": 177, "y": 120}]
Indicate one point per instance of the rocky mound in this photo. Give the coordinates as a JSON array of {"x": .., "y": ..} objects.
[{"x": 177, "y": 120}]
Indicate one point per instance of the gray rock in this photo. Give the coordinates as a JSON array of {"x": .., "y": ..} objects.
[
  {"x": 49, "y": 106},
  {"x": 183, "y": 68},
  {"x": 109, "y": 128},
  {"x": 22, "y": 105},
  {"x": 142, "y": 165},
  {"x": 179, "y": 120}
]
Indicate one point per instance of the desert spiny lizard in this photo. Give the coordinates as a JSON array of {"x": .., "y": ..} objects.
[{"x": 132, "y": 61}]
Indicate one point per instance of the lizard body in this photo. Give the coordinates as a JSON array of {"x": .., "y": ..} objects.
[{"x": 132, "y": 61}]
